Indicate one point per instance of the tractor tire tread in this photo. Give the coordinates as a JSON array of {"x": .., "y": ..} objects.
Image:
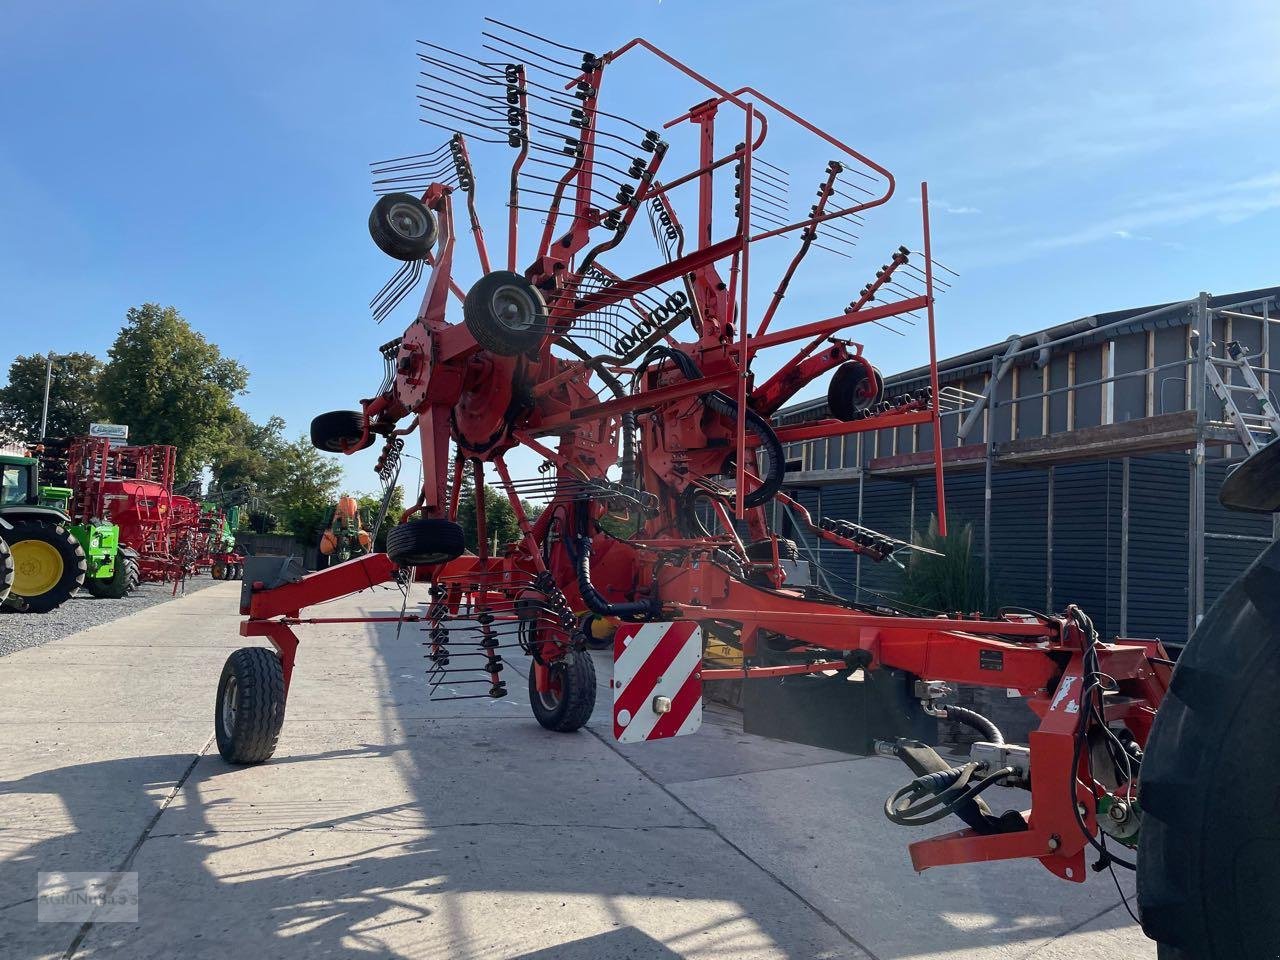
[{"x": 1207, "y": 878}]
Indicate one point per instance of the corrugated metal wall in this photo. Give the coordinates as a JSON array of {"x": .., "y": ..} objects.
[{"x": 1087, "y": 537}]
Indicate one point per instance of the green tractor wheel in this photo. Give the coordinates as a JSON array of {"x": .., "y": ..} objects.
[
  {"x": 48, "y": 563},
  {"x": 119, "y": 585},
  {"x": 6, "y": 570}
]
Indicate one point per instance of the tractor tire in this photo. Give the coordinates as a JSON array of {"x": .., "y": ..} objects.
[
  {"x": 6, "y": 571},
  {"x": 568, "y": 706},
  {"x": 851, "y": 391},
  {"x": 425, "y": 540},
  {"x": 1209, "y": 848},
  {"x": 249, "y": 710},
  {"x": 237, "y": 571},
  {"x": 48, "y": 563},
  {"x": 118, "y": 587},
  {"x": 339, "y": 431},
  {"x": 403, "y": 227},
  {"x": 505, "y": 313}
]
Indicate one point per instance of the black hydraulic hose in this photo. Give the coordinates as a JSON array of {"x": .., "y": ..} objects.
[
  {"x": 726, "y": 406},
  {"x": 596, "y": 602},
  {"x": 971, "y": 718},
  {"x": 628, "y": 461}
]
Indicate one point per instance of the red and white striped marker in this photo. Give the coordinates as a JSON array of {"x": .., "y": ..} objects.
[{"x": 657, "y": 680}]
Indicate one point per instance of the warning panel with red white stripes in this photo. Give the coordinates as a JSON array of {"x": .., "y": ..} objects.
[{"x": 657, "y": 680}]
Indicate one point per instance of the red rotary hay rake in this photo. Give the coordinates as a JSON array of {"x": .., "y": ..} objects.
[{"x": 627, "y": 368}]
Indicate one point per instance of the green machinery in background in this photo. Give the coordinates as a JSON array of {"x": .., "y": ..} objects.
[{"x": 45, "y": 557}]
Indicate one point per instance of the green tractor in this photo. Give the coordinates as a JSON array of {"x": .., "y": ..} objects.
[
  {"x": 46, "y": 557},
  {"x": 112, "y": 569}
]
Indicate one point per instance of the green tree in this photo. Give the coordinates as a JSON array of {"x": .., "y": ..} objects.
[
  {"x": 241, "y": 454},
  {"x": 171, "y": 385},
  {"x": 500, "y": 522},
  {"x": 371, "y": 504},
  {"x": 73, "y": 400},
  {"x": 301, "y": 485}
]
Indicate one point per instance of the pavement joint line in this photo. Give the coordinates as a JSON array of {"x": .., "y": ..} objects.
[
  {"x": 424, "y": 828},
  {"x": 1070, "y": 930},
  {"x": 83, "y": 932},
  {"x": 752, "y": 773},
  {"x": 743, "y": 853}
]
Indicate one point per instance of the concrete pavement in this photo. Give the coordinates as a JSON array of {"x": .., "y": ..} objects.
[{"x": 387, "y": 825}]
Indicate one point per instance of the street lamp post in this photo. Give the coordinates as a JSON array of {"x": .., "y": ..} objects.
[{"x": 48, "y": 379}]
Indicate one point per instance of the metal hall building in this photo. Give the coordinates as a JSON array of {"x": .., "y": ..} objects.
[{"x": 1087, "y": 458}]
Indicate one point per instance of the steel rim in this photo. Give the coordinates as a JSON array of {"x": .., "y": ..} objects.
[
  {"x": 550, "y": 700},
  {"x": 408, "y": 221},
  {"x": 514, "y": 308},
  {"x": 230, "y": 704},
  {"x": 37, "y": 567}
]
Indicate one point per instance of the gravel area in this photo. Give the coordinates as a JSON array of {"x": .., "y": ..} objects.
[{"x": 21, "y": 630}]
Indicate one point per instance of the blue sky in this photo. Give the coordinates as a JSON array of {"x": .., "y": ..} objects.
[{"x": 1082, "y": 157}]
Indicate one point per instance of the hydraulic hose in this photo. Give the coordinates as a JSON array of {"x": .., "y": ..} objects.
[
  {"x": 721, "y": 403},
  {"x": 628, "y": 461},
  {"x": 596, "y": 602},
  {"x": 971, "y": 718}
]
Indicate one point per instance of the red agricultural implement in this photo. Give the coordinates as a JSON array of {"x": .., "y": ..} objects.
[
  {"x": 133, "y": 488},
  {"x": 627, "y": 361}
]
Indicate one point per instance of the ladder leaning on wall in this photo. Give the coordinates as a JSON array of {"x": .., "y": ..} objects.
[{"x": 1256, "y": 430}]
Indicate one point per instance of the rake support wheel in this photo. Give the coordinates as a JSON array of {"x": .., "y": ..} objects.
[
  {"x": 339, "y": 431},
  {"x": 505, "y": 313},
  {"x": 403, "y": 227},
  {"x": 425, "y": 540}
]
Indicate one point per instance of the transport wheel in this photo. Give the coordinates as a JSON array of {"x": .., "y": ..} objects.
[
  {"x": 48, "y": 563},
  {"x": 568, "y": 704},
  {"x": 115, "y": 588},
  {"x": 218, "y": 571},
  {"x": 249, "y": 711},
  {"x": 425, "y": 540},
  {"x": 339, "y": 431},
  {"x": 237, "y": 572},
  {"x": 1209, "y": 849},
  {"x": 6, "y": 570},
  {"x": 402, "y": 226},
  {"x": 505, "y": 313},
  {"x": 854, "y": 387}
]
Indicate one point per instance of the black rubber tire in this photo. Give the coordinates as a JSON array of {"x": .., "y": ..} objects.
[
  {"x": 237, "y": 571},
  {"x": 117, "y": 587},
  {"x": 848, "y": 393},
  {"x": 425, "y": 540},
  {"x": 403, "y": 227},
  {"x": 6, "y": 570},
  {"x": 338, "y": 430},
  {"x": 61, "y": 539},
  {"x": 218, "y": 571},
  {"x": 248, "y": 733},
  {"x": 1209, "y": 849},
  {"x": 571, "y": 709},
  {"x": 481, "y": 313},
  {"x": 135, "y": 574},
  {"x": 762, "y": 550}
]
